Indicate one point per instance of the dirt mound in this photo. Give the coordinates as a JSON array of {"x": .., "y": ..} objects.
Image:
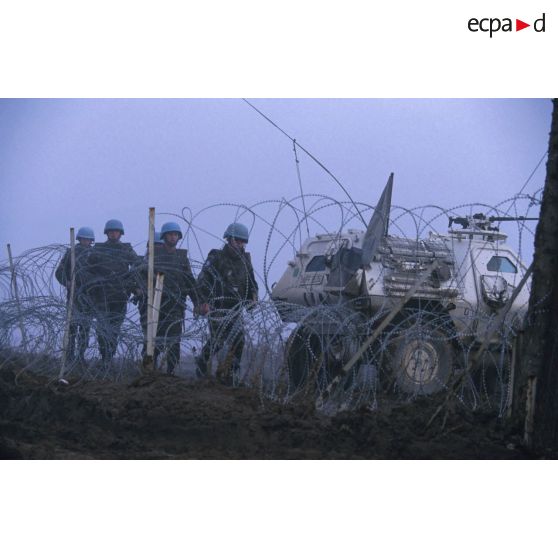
[{"x": 160, "y": 417}]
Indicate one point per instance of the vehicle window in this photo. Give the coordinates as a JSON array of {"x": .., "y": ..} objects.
[
  {"x": 317, "y": 263},
  {"x": 500, "y": 263}
]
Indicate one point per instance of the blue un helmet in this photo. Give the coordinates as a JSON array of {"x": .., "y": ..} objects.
[
  {"x": 170, "y": 227},
  {"x": 86, "y": 232},
  {"x": 114, "y": 225},
  {"x": 156, "y": 238},
  {"x": 237, "y": 230}
]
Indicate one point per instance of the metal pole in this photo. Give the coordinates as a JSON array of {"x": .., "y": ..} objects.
[
  {"x": 16, "y": 295},
  {"x": 150, "y": 345},
  {"x": 70, "y": 303}
]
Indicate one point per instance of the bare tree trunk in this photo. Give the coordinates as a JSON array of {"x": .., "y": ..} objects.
[{"x": 536, "y": 385}]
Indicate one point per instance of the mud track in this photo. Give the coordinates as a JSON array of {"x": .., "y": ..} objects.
[{"x": 161, "y": 417}]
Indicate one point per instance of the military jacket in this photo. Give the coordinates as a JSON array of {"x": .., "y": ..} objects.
[
  {"x": 178, "y": 281},
  {"x": 83, "y": 276},
  {"x": 112, "y": 265},
  {"x": 227, "y": 279}
]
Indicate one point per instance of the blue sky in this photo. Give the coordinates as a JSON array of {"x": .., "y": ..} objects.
[{"x": 73, "y": 162}]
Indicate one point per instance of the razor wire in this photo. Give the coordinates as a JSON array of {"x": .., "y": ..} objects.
[{"x": 294, "y": 350}]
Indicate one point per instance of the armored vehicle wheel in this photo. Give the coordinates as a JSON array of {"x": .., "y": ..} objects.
[
  {"x": 303, "y": 357},
  {"x": 312, "y": 361},
  {"x": 420, "y": 358}
]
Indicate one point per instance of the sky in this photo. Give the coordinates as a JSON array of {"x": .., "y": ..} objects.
[{"x": 79, "y": 162}]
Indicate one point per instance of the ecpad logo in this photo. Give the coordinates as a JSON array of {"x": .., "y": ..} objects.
[{"x": 493, "y": 25}]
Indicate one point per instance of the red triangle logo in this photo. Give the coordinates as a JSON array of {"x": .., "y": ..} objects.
[{"x": 519, "y": 25}]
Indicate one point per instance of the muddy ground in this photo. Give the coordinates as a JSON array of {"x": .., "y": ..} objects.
[{"x": 162, "y": 417}]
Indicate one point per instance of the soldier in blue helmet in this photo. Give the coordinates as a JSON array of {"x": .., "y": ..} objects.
[
  {"x": 112, "y": 263},
  {"x": 226, "y": 285},
  {"x": 178, "y": 284},
  {"x": 82, "y": 307}
]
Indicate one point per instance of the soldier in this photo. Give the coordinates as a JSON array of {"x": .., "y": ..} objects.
[
  {"x": 226, "y": 285},
  {"x": 112, "y": 263},
  {"x": 82, "y": 309},
  {"x": 178, "y": 283}
]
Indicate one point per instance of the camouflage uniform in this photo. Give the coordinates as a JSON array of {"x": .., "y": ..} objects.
[
  {"x": 227, "y": 283},
  {"x": 177, "y": 285},
  {"x": 112, "y": 265},
  {"x": 82, "y": 306}
]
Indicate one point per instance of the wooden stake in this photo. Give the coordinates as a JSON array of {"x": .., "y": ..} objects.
[
  {"x": 157, "y": 299},
  {"x": 69, "y": 309},
  {"x": 150, "y": 345},
  {"x": 530, "y": 414}
]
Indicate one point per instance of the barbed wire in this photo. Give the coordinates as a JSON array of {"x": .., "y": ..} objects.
[{"x": 295, "y": 350}]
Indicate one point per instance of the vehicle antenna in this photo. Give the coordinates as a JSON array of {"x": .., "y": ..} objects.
[{"x": 320, "y": 164}]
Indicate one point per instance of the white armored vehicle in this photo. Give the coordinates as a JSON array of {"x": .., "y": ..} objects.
[{"x": 415, "y": 309}]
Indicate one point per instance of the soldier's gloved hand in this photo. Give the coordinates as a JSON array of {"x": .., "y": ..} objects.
[{"x": 202, "y": 309}]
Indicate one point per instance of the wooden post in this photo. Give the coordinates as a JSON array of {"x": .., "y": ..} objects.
[
  {"x": 16, "y": 296},
  {"x": 516, "y": 348},
  {"x": 157, "y": 294},
  {"x": 69, "y": 308},
  {"x": 530, "y": 411},
  {"x": 157, "y": 299},
  {"x": 150, "y": 333}
]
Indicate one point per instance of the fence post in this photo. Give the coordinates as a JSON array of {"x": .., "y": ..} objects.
[
  {"x": 157, "y": 294},
  {"x": 150, "y": 333},
  {"x": 69, "y": 309}
]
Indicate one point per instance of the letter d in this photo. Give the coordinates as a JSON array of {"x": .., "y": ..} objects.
[{"x": 536, "y": 24}]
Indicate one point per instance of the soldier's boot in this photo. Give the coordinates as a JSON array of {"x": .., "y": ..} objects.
[
  {"x": 171, "y": 367},
  {"x": 225, "y": 377},
  {"x": 201, "y": 367},
  {"x": 223, "y": 371},
  {"x": 106, "y": 362},
  {"x": 81, "y": 365},
  {"x": 235, "y": 373},
  {"x": 70, "y": 359}
]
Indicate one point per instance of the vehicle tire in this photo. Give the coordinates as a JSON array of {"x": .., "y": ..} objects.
[{"x": 420, "y": 358}]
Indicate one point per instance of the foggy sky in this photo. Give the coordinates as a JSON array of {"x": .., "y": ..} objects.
[{"x": 78, "y": 162}]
